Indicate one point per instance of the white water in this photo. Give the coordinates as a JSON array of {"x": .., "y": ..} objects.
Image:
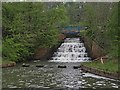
[{"x": 72, "y": 50}]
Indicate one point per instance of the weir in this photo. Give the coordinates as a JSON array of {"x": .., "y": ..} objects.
[
  {"x": 72, "y": 50},
  {"x": 63, "y": 71}
]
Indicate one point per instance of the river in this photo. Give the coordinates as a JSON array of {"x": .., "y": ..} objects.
[{"x": 71, "y": 53}]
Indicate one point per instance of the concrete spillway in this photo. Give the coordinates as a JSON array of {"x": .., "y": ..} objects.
[{"x": 72, "y": 50}]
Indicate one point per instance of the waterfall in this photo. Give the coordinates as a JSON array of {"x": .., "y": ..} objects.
[{"x": 72, "y": 50}]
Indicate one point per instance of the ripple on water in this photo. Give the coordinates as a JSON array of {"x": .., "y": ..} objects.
[
  {"x": 99, "y": 84},
  {"x": 51, "y": 77},
  {"x": 115, "y": 86},
  {"x": 69, "y": 86},
  {"x": 12, "y": 86},
  {"x": 21, "y": 81},
  {"x": 89, "y": 85},
  {"x": 79, "y": 82},
  {"x": 53, "y": 84},
  {"x": 24, "y": 76}
]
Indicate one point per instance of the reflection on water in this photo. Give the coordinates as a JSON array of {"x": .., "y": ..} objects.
[{"x": 50, "y": 76}]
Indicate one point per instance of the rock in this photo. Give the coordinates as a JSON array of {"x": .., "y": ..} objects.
[
  {"x": 61, "y": 66},
  {"x": 40, "y": 66},
  {"x": 83, "y": 74},
  {"x": 76, "y": 67},
  {"x": 85, "y": 71},
  {"x": 25, "y": 65}
]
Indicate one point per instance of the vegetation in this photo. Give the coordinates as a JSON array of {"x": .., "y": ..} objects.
[
  {"x": 27, "y": 26},
  {"x": 102, "y": 22},
  {"x": 108, "y": 66}
]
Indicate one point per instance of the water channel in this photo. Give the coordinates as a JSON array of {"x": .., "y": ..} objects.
[{"x": 71, "y": 53}]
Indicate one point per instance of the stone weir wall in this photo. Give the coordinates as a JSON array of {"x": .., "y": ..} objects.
[
  {"x": 46, "y": 53},
  {"x": 93, "y": 49}
]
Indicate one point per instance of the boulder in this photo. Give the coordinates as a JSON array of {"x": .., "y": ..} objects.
[
  {"x": 61, "y": 66},
  {"x": 25, "y": 65},
  {"x": 40, "y": 66},
  {"x": 82, "y": 74},
  {"x": 76, "y": 67}
]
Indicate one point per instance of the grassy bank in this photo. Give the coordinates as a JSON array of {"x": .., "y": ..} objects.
[{"x": 108, "y": 66}]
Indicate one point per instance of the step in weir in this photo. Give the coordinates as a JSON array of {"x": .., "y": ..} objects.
[{"x": 72, "y": 50}]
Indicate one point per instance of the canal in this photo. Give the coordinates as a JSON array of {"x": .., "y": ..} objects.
[{"x": 71, "y": 53}]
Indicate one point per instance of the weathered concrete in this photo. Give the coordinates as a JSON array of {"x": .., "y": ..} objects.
[
  {"x": 41, "y": 53},
  {"x": 93, "y": 49},
  {"x": 100, "y": 72},
  {"x": 46, "y": 53}
]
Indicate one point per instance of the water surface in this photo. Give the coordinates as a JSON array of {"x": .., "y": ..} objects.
[{"x": 71, "y": 53}]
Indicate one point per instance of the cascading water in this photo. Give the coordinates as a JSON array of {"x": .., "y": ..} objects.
[
  {"x": 50, "y": 77},
  {"x": 72, "y": 50}
]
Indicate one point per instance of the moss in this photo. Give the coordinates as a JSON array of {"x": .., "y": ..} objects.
[{"x": 108, "y": 66}]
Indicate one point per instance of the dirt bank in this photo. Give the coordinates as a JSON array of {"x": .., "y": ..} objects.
[{"x": 10, "y": 64}]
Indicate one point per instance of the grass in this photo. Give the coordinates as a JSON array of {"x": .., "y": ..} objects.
[{"x": 109, "y": 65}]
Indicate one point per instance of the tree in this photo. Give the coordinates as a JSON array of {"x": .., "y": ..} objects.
[{"x": 27, "y": 26}]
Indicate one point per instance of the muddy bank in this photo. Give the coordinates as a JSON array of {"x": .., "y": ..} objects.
[
  {"x": 100, "y": 72},
  {"x": 46, "y": 53}
]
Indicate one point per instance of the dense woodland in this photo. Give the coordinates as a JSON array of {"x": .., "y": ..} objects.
[
  {"x": 27, "y": 26},
  {"x": 102, "y": 20}
]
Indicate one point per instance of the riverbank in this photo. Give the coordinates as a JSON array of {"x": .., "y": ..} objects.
[
  {"x": 39, "y": 54},
  {"x": 108, "y": 69},
  {"x": 6, "y": 64}
]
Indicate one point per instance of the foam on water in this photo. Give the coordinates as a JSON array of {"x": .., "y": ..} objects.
[{"x": 72, "y": 50}]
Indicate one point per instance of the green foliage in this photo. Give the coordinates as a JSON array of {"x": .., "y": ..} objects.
[
  {"x": 113, "y": 31},
  {"x": 83, "y": 23},
  {"x": 10, "y": 50},
  {"x": 27, "y": 26},
  {"x": 102, "y": 20},
  {"x": 48, "y": 38},
  {"x": 75, "y": 11}
]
